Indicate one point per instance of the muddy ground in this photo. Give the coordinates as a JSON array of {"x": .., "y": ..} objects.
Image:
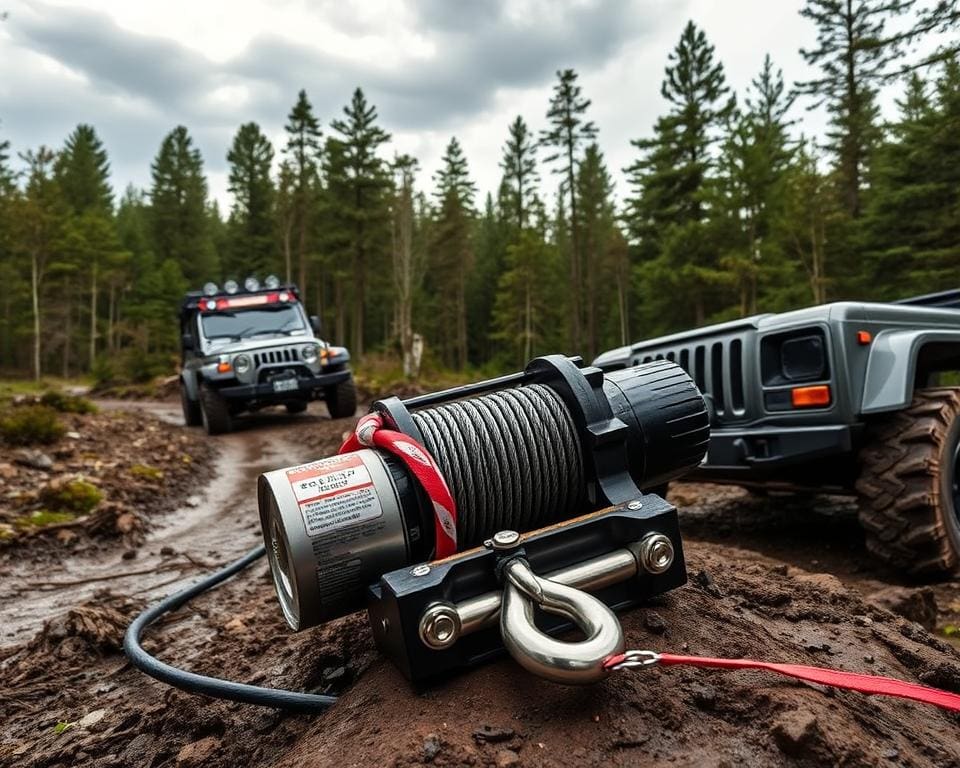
[{"x": 771, "y": 578}]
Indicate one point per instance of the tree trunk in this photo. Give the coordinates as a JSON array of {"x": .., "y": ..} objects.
[
  {"x": 35, "y": 297},
  {"x": 93, "y": 315},
  {"x": 575, "y": 282},
  {"x": 68, "y": 335}
]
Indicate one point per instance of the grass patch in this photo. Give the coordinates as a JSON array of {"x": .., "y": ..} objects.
[
  {"x": 30, "y": 425},
  {"x": 146, "y": 472},
  {"x": 41, "y": 518},
  {"x": 66, "y": 403},
  {"x": 75, "y": 497}
]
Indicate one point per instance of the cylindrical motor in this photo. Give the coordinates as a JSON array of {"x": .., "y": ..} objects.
[{"x": 526, "y": 454}]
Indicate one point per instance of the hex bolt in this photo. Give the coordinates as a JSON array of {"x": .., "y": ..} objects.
[
  {"x": 440, "y": 626},
  {"x": 635, "y": 505},
  {"x": 655, "y": 553},
  {"x": 420, "y": 570},
  {"x": 505, "y": 540}
]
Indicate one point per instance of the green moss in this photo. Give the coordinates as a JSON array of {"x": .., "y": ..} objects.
[
  {"x": 75, "y": 497},
  {"x": 66, "y": 403},
  {"x": 42, "y": 518},
  {"x": 146, "y": 472},
  {"x": 30, "y": 425}
]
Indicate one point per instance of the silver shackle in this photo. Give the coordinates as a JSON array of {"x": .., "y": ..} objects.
[{"x": 570, "y": 663}]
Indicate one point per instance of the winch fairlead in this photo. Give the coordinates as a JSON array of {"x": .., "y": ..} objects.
[{"x": 492, "y": 516}]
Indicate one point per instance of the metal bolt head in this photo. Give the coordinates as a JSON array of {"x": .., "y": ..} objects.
[
  {"x": 440, "y": 626},
  {"x": 635, "y": 505},
  {"x": 505, "y": 540},
  {"x": 656, "y": 553},
  {"x": 420, "y": 570}
]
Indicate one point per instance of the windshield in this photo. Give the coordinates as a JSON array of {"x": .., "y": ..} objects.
[{"x": 246, "y": 323}]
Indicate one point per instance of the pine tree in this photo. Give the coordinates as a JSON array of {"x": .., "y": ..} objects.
[
  {"x": 567, "y": 132},
  {"x": 364, "y": 211},
  {"x": 408, "y": 260},
  {"x": 252, "y": 233},
  {"x": 671, "y": 184},
  {"x": 453, "y": 250},
  {"x": 9, "y": 272},
  {"x": 303, "y": 153},
  {"x": 181, "y": 227},
  {"x": 520, "y": 177},
  {"x": 83, "y": 172}
]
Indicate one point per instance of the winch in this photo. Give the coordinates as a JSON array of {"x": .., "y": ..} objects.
[{"x": 539, "y": 510}]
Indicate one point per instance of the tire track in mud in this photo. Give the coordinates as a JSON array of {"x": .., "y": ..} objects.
[{"x": 216, "y": 524}]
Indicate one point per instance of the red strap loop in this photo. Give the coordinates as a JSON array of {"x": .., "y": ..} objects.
[
  {"x": 369, "y": 433},
  {"x": 852, "y": 681}
]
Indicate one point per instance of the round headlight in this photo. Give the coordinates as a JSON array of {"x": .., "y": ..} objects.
[
  {"x": 241, "y": 363},
  {"x": 210, "y": 289},
  {"x": 231, "y": 286},
  {"x": 251, "y": 284},
  {"x": 272, "y": 282},
  {"x": 210, "y": 304},
  {"x": 309, "y": 353}
]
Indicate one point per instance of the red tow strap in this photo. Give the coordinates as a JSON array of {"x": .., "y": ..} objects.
[
  {"x": 369, "y": 433},
  {"x": 852, "y": 681}
]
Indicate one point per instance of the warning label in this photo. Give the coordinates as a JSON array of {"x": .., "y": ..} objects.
[{"x": 334, "y": 493}]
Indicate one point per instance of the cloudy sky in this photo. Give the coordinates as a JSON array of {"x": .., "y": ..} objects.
[{"x": 433, "y": 68}]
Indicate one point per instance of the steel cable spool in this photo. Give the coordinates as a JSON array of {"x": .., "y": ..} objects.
[{"x": 520, "y": 452}]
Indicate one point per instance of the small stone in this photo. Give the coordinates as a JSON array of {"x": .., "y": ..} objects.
[
  {"x": 333, "y": 675},
  {"x": 7, "y": 470},
  {"x": 795, "y": 731},
  {"x": 73, "y": 435},
  {"x": 126, "y": 522},
  {"x": 92, "y": 718},
  {"x": 863, "y": 621},
  {"x": 488, "y": 734},
  {"x": 654, "y": 623},
  {"x": 705, "y": 580},
  {"x": 869, "y": 659},
  {"x": 780, "y": 570},
  {"x": 919, "y": 605},
  {"x": 193, "y": 501},
  {"x": 431, "y": 747},
  {"x": 167, "y": 551},
  {"x": 129, "y": 554},
  {"x": 891, "y": 754},
  {"x": 198, "y": 753},
  {"x": 235, "y": 625},
  {"x": 34, "y": 459},
  {"x": 507, "y": 758}
]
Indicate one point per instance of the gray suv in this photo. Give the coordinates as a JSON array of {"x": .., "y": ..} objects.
[
  {"x": 845, "y": 398},
  {"x": 244, "y": 349}
]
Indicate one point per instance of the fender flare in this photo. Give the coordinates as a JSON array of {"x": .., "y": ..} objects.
[
  {"x": 192, "y": 385},
  {"x": 892, "y": 367}
]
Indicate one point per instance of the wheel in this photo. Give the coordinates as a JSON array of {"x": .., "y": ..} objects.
[
  {"x": 908, "y": 486},
  {"x": 341, "y": 399},
  {"x": 298, "y": 406},
  {"x": 192, "y": 416},
  {"x": 215, "y": 411}
]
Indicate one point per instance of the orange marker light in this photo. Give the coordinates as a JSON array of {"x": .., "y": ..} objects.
[
  {"x": 224, "y": 367},
  {"x": 864, "y": 337},
  {"x": 811, "y": 397}
]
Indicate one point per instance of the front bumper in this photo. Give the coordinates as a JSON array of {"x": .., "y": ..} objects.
[
  {"x": 308, "y": 388},
  {"x": 753, "y": 454}
]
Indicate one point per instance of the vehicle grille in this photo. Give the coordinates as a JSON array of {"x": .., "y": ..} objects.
[
  {"x": 717, "y": 369},
  {"x": 274, "y": 356}
]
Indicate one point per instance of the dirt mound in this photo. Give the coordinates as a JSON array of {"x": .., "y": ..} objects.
[
  {"x": 734, "y": 605},
  {"x": 106, "y": 477}
]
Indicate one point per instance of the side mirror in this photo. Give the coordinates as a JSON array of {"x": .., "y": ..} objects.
[
  {"x": 186, "y": 341},
  {"x": 315, "y": 323}
]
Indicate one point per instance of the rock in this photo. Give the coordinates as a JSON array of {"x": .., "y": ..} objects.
[
  {"x": 333, "y": 675},
  {"x": 193, "y": 501},
  {"x": 167, "y": 551},
  {"x": 198, "y": 753},
  {"x": 127, "y": 522},
  {"x": 795, "y": 732},
  {"x": 507, "y": 758},
  {"x": 705, "y": 580},
  {"x": 919, "y": 605},
  {"x": 73, "y": 435},
  {"x": 431, "y": 747},
  {"x": 654, "y": 623},
  {"x": 489, "y": 734},
  {"x": 92, "y": 718},
  {"x": 235, "y": 625},
  {"x": 34, "y": 459},
  {"x": 7, "y": 470},
  {"x": 129, "y": 554}
]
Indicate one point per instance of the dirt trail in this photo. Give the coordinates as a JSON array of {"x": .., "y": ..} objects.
[
  {"x": 214, "y": 525},
  {"x": 757, "y": 588}
]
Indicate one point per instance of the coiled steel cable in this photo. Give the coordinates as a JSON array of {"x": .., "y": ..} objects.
[{"x": 512, "y": 460}]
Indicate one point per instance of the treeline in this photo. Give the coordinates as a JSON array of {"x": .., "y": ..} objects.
[{"x": 730, "y": 210}]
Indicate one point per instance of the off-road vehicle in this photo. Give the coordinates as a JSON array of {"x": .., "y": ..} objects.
[
  {"x": 244, "y": 349},
  {"x": 845, "y": 398}
]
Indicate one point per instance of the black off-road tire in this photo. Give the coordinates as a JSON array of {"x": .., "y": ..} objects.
[
  {"x": 341, "y": 399},
  {"x": 192, "y": 415},
  {"x": 297, "y": 406},
  {"x": 908, "y": 485},
  {"x": 216, "y": 412}
]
